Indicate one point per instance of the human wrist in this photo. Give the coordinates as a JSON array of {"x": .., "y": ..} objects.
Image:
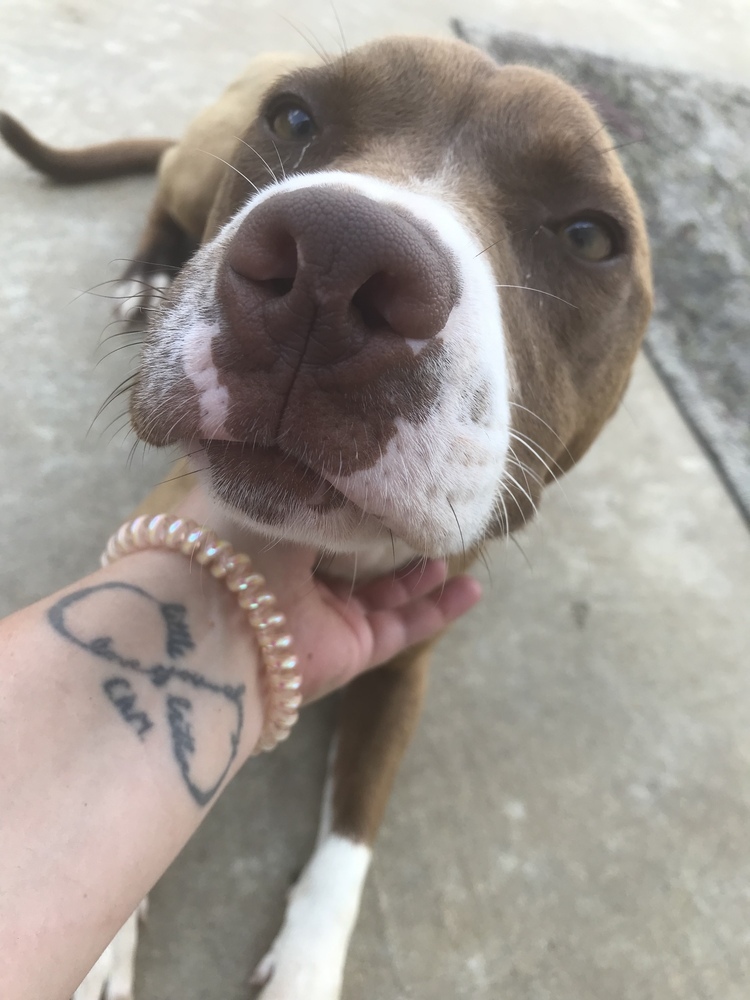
[
  {"x": 282, "y": 681},
  {"x": 217, "y": 670}
]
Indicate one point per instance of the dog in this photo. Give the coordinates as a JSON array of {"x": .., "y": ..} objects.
[{"x": 410, "y": 287}]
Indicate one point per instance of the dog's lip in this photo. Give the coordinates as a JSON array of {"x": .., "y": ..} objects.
[{"x": 272, "y": 462}]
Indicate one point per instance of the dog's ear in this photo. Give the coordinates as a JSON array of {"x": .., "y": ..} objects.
[{"x": 190, "y": 174}]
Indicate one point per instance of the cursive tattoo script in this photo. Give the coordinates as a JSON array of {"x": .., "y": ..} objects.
[{"x": 120, "y": 692}]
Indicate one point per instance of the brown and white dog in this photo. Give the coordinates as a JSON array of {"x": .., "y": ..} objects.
[{"x": 409, "y": 297}]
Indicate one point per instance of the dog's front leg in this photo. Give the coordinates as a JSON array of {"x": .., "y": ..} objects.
[
  {"x": 379, "y": 712},
  {"x": 162, "y": 250}
]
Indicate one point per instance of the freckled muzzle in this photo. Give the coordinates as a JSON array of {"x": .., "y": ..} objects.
[{"x": 323, "y": 270}]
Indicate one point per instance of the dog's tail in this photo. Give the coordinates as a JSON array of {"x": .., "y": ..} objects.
[{"x": 88, "y": 163}]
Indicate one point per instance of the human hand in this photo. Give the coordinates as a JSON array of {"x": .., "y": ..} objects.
[{"x": 338, "y": 631}]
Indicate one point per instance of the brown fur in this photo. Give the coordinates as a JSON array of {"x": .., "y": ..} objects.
[{"x": 378, "y": 714}]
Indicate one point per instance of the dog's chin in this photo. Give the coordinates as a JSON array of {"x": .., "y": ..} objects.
[
  {"x": 268, "y": 491},
  {"x": 267, "y": 484}
]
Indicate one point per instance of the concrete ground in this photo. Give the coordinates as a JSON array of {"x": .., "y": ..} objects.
[{"x": 571, "y": 821}]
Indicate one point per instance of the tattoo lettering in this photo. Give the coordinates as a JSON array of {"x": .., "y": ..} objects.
[
  {"x": 121, "y": 694},
  {"x": 179, "y": 640},
  {"x": 191, "y": 701}
]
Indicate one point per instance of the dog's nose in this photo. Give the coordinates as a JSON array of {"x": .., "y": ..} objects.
[{"x": 323, "y": 268}]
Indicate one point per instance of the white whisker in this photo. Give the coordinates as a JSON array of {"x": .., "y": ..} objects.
[
  {"x": 231, "y": 167},
  {"x": 260, "y": 157},
  {"x": 541, "y": 291}
]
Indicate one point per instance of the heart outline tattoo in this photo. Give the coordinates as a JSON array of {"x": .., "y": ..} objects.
[{"x": 180, "y": 710}]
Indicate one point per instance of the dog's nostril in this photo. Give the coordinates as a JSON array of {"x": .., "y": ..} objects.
[
  {"x": 278, "y": 287},
  {"x": 399, "y": 303},
  {"x": 268, "y": 259},
  {"x": 369, "y": 300}
]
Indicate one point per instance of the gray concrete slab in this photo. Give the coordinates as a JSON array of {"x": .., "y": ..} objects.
[{"x": 571, "y": 820}]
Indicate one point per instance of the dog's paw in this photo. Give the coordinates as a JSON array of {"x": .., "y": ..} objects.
[
  {"x": 303, "y": 964},
  {"x": 306, "y": 961},
  {"x": 113, "y": 975},
  {"x": 140, "y": 291}
]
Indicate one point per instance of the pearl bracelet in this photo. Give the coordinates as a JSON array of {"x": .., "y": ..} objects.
[{"x": 282, "y": 678}]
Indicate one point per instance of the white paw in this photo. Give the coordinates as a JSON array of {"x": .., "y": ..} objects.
[
  {"x": 301, "y": 966},
  {"x": 140, "y": 293},
  {"x": 306, "y": 961},
  {"x": 113, "y": 975}
]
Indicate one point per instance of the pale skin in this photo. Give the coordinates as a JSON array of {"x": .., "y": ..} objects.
[{"x": 127, "y": 703}]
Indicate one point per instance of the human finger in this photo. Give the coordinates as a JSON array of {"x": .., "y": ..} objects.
[{"x": 395, "y": 629}]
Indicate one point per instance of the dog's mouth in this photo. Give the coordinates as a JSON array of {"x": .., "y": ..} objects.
[{"x": 267, "y": 482}]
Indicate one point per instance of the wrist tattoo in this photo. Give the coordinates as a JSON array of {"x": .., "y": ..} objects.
[{"x": 191, "y": 703}]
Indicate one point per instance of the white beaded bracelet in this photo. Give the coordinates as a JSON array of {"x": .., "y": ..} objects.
[{"x": 282, "y": 679}]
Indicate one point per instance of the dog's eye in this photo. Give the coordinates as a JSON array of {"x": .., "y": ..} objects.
[
  {"x": 589, "y": 240},
  {"x": 292, "y": 122}
]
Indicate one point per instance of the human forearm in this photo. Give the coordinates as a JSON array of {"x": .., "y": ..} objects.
[{"x": 118, "y": 730}]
